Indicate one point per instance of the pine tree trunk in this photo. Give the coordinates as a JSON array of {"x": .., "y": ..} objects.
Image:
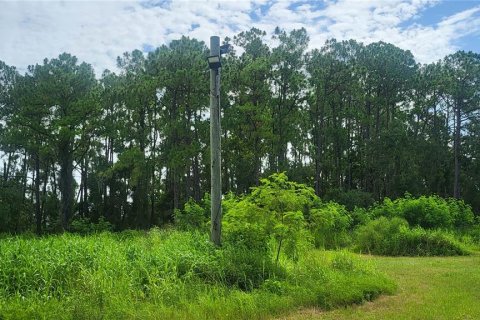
[
  {"x": 38, "y": 212},
  {"x": 66, "y": 182},
  {"x": 456, "y": 147}
]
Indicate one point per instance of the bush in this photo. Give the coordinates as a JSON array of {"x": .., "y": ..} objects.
[
  {"x": 247, "y": 269},
  {"x": 394, "y": 237},
  {"x": 431, "y": 243},
  {"x": 247, "y": 225},
  {"x": 374, "y": 236},
  {"x": 329, "y": 225},
  {"x": 474, "y": 234},
  {"x": 360, "y": 216},
  {"x": 430, "y": 212},
  {"x": 86, "y": 226},
  {"x": 462, "y": 214},
  {"x": 273, "y": 211},
  {"x": 192, "y": 217},
  {"x": 350, "y": 198}
]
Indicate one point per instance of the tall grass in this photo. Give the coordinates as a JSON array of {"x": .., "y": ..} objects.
[
  {"x": 394, "y": 237},
  {"x": 169, "y": 275}
]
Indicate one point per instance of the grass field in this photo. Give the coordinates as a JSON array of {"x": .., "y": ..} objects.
[
  {"x": 428, "y": 288},
  {"x": 179, "y": 275},
  {"x": 164, "y": 274}
]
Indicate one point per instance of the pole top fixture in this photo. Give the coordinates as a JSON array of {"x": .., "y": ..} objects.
[{"x": 214, "y": 60}]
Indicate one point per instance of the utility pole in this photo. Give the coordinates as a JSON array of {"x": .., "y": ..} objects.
[
  {"x": 215, "y": 142},
  {"x": 214, "y": 62}
]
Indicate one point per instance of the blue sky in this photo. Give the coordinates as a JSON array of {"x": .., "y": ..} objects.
[
  {"x": 99, "y": 31},
  {"x": 432, "y": 15}
]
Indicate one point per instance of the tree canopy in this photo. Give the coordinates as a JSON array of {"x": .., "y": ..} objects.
[{"x": 355, "y": 122}]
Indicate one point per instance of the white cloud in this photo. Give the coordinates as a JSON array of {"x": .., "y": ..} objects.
[{"x": 98, "y": 31}]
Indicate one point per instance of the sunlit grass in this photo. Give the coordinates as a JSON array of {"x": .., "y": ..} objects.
[
  {"x": 429, "y": 288},
  {"x": 170, "y": 275}
]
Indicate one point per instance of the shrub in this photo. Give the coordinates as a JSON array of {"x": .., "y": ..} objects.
[
  {"x": 273, "y": 210},
  {"x": 394, "y": 237},
  {"x": 329, "y": 225},
  {"x": 192, "y": 217},
  {"x": 462, "y": 214},
  {"x": 247, "y": 225},
  {"x": 245, "y": 268},
  {"x": 474, "y": 234},
  {"x": 430, "y": 212},
  {"x": 360, "y": 216},
  {"x": 86, "y": 226},
  {"x": 374, "y": 236},
  {"x": 350, "y": 198},
  {"x": 431, "y": 243}
]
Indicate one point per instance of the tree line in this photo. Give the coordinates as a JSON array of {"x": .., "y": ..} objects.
[{"x": 356, "y": 122}]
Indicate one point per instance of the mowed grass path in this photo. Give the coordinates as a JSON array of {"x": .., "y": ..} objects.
[{"x": 428, "y": 288}]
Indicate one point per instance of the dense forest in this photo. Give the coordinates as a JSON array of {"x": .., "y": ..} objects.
[{"x": 356, "y": 122}]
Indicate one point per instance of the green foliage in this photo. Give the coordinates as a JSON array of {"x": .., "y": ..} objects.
[
  {"x": 330, "y": 225},
  {"x": 373, "y": 236},
  {"x": 474, "y": 234},
  {"x": 360, "y": 216},
  {"x": 14, "y": 210},
  {"x": 427, "y": 212},
  {"x": 462, "y": 214},
  {"x": 247, "y": 225},
  {"x": 130, "y": 161},
  {"x": 246, "y": 268},
  {"x": 273, "y": 210},
  {"x": 394, "y": 237},
  {"x": 315, "y": 276},
  {"x": 350, "y": 198},
  {"x": 169, "y": 274},
  {"x": 86, "y": 226},
  {"x": 278, "y": 194},
  {"x": 192, "y": 217},
  {"x": 357, "y": 122}
]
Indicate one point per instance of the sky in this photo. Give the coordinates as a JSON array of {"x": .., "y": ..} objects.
[{"x": 99, "y": 31}]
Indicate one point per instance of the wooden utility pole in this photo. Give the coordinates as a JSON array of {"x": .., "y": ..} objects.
[{"x": 215, "y": 144}]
